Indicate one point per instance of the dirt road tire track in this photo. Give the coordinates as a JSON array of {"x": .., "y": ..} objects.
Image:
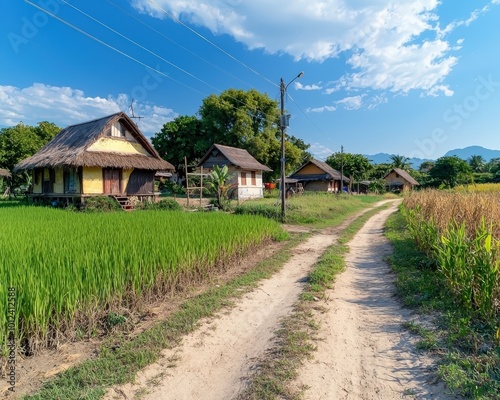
[
  {"x": 362, "y": 351},
  {"x": 213, "y": 361}
]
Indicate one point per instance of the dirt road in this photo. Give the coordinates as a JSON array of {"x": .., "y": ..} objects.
[
  {"x": 364, "y": 355},
  {"x": 363, "y": 352}
]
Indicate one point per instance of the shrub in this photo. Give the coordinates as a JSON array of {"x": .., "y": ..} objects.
[
  {"x": 166, "y": 204},
  {"x": 100, "y": 204},
  {"x": 264, "y": 210}
]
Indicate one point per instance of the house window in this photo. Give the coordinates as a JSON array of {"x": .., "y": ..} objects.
[
  {"x": 254, "y": 179},
  {"x": 243, "y": 179},
  {"x": 397, "y": 175},
  {"x": 118, "y": 130}
]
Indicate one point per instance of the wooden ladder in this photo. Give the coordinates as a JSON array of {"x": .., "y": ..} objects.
[{"x": 124, "y": 202}]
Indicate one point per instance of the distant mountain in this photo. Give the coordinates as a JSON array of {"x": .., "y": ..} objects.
[
  {"x": 465, "y": 153},
  {"x": 381, "y": 158}
]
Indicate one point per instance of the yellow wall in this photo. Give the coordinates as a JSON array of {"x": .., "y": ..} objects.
[
  {"x": 310, "y": 169},
  {"x": 116, "y": 145},
  {"x": 37, "y": 187},
  {"x": 92, "y": 180},
  {"x": 59, "y": 182},
  {"x": 125, "y": 176}
]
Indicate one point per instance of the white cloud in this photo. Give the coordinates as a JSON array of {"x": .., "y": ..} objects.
[
  {"x": 352, "y": 102},
  {"x": 321, "y": 109},
  {"x": 474, "y": 15},
  {"x": 438, "y": 89},
  {"x": 375, "y": 101},
  {"x": 65, "y": 106},
  {"x": 394, "y": 46},
  {"x": 300, "y": 86},
  {"x": 320, "y": 151}
]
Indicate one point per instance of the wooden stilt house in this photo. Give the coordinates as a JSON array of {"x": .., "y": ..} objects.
[{"x": 104, "y": 157}]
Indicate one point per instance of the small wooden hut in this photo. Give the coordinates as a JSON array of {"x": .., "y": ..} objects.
[
  {"x": 398, "y": 180},
  {"x": 246, "y": 171},
  {"x": 318, "y": 176},
  {"x": 108, "y": 156}
]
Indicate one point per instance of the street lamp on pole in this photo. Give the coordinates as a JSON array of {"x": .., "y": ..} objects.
[{"x": 283, "y": 124}]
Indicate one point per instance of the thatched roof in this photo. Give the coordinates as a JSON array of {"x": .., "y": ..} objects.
[
  {"x": 231, "y": 155},
  {"x": 330, "y": 173},
  {"x": 5, "y": 173},
  {"x": 403, "y": 174},
  {"x": 70, "y": 148}
]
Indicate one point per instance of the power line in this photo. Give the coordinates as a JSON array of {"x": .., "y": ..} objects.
[
  {"x": 111, "y": 47},
  {"x": 140, "y": 46},
  {"x": 133, "y": 58},
  {"x": 171, "y": 16},
  {"x": 177, "y": 44},
  {"x": 266, "y": 116},
  {"x": 311, "y": 121}
]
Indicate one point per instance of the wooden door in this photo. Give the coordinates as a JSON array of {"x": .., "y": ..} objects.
[{"x": 111, "y": 178}]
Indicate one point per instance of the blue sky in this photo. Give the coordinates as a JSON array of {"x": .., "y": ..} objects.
[{"x": 413, "y": 77}]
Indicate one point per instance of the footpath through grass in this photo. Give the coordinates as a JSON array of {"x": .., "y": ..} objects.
[
  {"x": 294, "y": 339},
  {"x": 120, "y": 358},
  {"x": 468, "y": 349}
]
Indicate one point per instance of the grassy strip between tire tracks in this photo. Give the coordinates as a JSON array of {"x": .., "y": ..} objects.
[
  {"x": 294, "y": 340},
  {"x": 468, "y": 349}
]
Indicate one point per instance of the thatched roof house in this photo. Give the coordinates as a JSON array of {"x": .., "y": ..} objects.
[
  {"x": 75, "y": 146},
  {"x": 5, "y": 173},
  {"x": 245, "y": 170},
  {"x": 398, "y": 180},
  {"x": 317, "y": 175},
  {"x": 105, "y": 156}
]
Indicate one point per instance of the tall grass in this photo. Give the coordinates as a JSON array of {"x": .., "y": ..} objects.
[
  {"x": 461, "y": 232},
  {"x": 480, "y": 187},
  {"x": 69, "y": 269}
]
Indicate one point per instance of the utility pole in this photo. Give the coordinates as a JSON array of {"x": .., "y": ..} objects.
[
  {"x": 283, "y": 124},
  {"x": 342, "y": 169}
]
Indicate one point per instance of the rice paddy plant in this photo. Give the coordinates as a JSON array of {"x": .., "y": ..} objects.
[
  {"x": 461, "y": 232},
  {"x": 70, "y": 269},
  {"x": 479, "y": 188}
]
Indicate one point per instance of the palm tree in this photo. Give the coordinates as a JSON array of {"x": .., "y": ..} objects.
[
  {"x": 400, "y": 162},
  {"x": 477, "y": 163}
]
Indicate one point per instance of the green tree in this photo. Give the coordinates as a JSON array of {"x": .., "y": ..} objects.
[
  {"x": 378, "y": 171},
  {"x": 450, "y": 171},
  {"x": 477, "y": 163},
  {"x": 401, "y": 162},
  {"x": 22, "y": 141},
  {"x": 426, "y": 166},
  {"x": 356, "y": 166},
  {"x": 243, "y": 119},
  {"x": 181, "y": 138}
]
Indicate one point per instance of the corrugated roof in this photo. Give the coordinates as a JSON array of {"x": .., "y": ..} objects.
[
  {"x": 69, "y": 148},
  {"x": 238, "y": 157},
  {"x": 403, "y": 174}
]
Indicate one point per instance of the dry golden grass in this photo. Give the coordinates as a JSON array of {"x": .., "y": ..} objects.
[
  {"x": 461, "y": 232},
  {"x": 462, "y": 207},
  {"x": 479, "y": 188}
]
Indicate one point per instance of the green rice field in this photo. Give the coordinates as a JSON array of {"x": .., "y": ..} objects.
[{"x": 68, "y": 269}]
